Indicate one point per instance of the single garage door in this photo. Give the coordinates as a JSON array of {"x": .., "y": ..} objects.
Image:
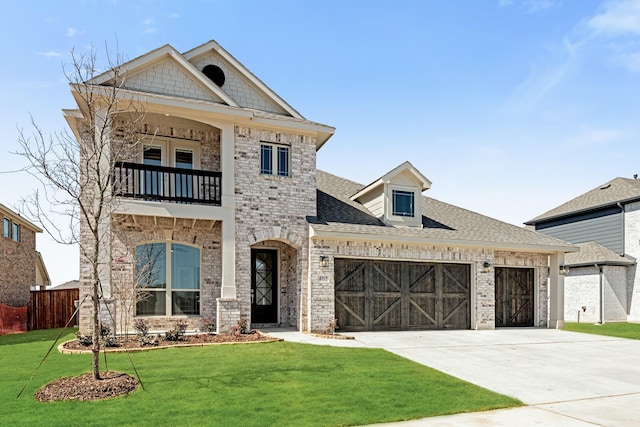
[
  {"x": 386, "y": 295},
  {"x": 514, "y": 297}
]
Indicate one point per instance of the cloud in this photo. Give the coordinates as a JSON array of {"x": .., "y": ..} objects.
[
  {"x": 550, "y": 71},
  {"x": 505, "y": 3},
  {"x": 50, "y": 54},
  {"x": 149, "y": 28},
  {"x": 618, "y": 18},
  {"x": 617, "y": 28},
  {"x": 591, "y": 137},
  {"x": 174, "y": 15},
  {"x": 72, "y": 32},
  {"x": 534, "y": 6}
]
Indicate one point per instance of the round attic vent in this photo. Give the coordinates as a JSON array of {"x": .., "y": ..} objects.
[{"x": 214, "y": 73}]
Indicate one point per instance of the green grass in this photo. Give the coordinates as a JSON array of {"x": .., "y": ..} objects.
[
  {"x": 256, "y": 384},
  {"x": 622, "y": 330}
]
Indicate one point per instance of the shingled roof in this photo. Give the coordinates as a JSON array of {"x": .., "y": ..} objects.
[
  {"x": 594, "y": 253},
  {"x": 442, "y": 223},
  {"x": 618, "y": 190}
]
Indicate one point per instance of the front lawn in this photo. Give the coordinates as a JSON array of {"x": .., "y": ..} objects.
[
  {"x": 259, "y": 384},
  {"x": 622, "y": 330}
]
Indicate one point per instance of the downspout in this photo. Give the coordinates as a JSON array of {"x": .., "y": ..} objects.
[
  {"x": 599, "y": 267},
  {"x": 623, "y": 235}
]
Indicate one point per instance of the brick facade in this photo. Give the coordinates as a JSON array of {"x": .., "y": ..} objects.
[
  {"x": 320, "y": 300},
  {"x": 17, "y": 267},
  {"x": 272, "y": 211}
]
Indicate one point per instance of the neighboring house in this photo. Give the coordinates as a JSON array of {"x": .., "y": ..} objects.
[
  {"x": 21, "y": 266},
  {"x": 602, "y": 283},
  {"x": 222, "y": 214}
]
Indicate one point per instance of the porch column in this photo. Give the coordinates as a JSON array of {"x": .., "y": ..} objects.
[
  {"x": 227, "y": 166},
  {"x": 228, "y": 305},
  {"x": 556, "y": 291}
]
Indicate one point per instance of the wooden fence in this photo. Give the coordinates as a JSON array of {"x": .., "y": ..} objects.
[{"x": 52, "y": 309}]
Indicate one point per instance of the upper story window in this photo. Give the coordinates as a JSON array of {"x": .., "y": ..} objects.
[
  {"x": 6, "y": 231},
  {"x": 403, "y": 203},
  {"x": 274, "y": 159},
  {"x": 16, "y": 232}
]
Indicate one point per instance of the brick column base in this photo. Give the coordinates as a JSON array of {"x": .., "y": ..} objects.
[{"x": 227, "y": 314}]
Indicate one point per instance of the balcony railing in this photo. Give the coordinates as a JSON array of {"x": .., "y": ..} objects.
[{"x": 160, "y": 183}]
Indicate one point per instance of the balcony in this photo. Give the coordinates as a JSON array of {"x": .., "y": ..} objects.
[{"x": 165, "y": 184}]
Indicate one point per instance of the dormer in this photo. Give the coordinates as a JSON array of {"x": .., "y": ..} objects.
[{"x": 395, "y": 198}]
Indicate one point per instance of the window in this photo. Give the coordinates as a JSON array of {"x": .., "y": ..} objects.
[
  {"x": 403, "y": 203},
  {"x": 16, "y": 232},
  {"x": 274, "y": 159},
  {"x": 7, "y": 228},
  {"x": 170, "y": 275}
]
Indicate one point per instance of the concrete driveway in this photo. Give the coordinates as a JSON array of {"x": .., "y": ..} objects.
[{"x": 565, "y": 378}]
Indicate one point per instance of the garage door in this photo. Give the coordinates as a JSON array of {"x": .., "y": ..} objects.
[
  {"x": 387, "y": 295},
  {"x": 514, "y": 297}
]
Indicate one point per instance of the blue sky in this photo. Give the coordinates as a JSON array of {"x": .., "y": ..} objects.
[{"x": 510, "y": 107}]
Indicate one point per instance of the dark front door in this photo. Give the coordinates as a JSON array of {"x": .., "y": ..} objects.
[
  {"x": 264, "y": 286},
  {"x": 514, "y": 297}
]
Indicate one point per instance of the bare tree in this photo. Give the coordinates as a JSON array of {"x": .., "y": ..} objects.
[{"x": 75, "y": 201}]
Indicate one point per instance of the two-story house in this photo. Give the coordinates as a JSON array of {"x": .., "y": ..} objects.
[
  {"x": 21, "y": 266},
  {"x": 602, "y": 283},
  {"x": 221, "y": 213}
]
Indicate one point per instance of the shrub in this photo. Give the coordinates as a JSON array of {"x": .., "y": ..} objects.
[
  {"x": 85, "y": 340},
  {"x": 208, "y": 325},
  {"x": 142, "y": 327},
  {"x": 177, "y": 332},
  {"x": 243, "y": 324}
]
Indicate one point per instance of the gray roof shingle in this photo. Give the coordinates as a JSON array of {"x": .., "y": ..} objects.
[
  {"x": 594, "y": 253},
  {"x": 615, "y": 191},
  {"x": 442, "y": 222}
]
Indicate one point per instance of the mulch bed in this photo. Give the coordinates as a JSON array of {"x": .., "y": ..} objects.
[
  {"x": 113, "y": 384},
  {"x": 132, "y": 344},
  {"x": 85, "y": 387}
]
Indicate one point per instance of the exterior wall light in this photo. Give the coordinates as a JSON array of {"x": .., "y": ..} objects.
[
  {"x": 563, "y": 269},
  {"x": 324, "y": 261},
  {"x": 486, "y": 266}
]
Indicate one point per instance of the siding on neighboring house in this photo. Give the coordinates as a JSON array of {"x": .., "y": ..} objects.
[{"x": 604, "y": 226}]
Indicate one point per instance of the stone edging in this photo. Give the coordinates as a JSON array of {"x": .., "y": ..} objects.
[
  {"x": 330, "y": 336},
  {"x": 63, "y": 350}
]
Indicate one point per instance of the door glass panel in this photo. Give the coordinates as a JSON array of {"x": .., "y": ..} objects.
[
  {"x": 152, "y": 156},
  {"x": 184, "y": 183},
  {"x": 264, "y": 279}
]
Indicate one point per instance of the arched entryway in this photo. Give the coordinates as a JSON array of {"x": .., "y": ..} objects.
[{"x": 275, "y": 284}]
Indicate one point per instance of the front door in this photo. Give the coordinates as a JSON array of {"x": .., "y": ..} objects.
[
  {"x": 264, "y": 286},
  {"x": 514, "y": 297}
]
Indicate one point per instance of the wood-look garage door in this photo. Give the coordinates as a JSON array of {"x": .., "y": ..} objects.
[
  {"x": 514, "y": 297},
  {"x": 386, "y": 295}
]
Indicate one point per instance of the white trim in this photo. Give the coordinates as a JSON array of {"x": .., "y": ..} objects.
[{"x": 521, "y": 247}]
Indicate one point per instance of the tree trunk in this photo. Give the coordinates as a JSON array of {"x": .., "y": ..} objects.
[{"x": 96, "y": 334}]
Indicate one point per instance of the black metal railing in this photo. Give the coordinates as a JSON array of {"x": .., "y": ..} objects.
[{"x": 160, "y": 183}]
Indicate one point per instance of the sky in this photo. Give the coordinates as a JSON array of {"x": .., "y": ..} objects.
[{"x": 509, "y": 107}]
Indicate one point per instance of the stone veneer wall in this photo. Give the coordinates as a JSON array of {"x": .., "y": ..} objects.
[
  {"x": 17, "y": 268},
  {"x": 321, "y": 294},
  {"x": 272, "y": 208},
  {"x": 126, "y": 235}
]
